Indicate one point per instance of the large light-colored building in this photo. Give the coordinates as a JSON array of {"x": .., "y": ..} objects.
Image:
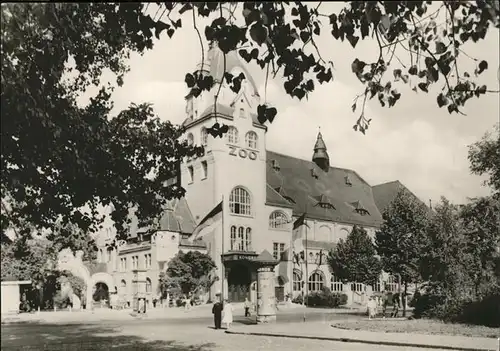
[{"x": 263, "y": 193}]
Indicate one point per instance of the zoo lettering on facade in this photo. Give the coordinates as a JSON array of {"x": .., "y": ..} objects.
[{"x": 243, "y": 153}]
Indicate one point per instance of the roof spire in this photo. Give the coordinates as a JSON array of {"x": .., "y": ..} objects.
[{"x": 320, "y": 156}]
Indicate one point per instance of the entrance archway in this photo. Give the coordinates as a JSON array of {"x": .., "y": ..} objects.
[
  {"x": 238, "y": 281},
  {"x": 101, "y": 292}
]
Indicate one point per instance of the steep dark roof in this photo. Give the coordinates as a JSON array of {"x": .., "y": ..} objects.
[
  {"x": 274, "y": 198},
  {"x": 385, "y": 193},
  {"x": 176, "y": 218},
  {"x": 295, "y": 178}
]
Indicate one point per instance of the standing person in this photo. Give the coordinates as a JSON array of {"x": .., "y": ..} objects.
[
  {"x": 385, "y": 302},
  {"x": 372, "y": 308},
  {"x": 247, "y": 307},
  {"x": 217, "y": 312},
  {"x": 228, "y": 314},
  {"x": 396, "y": 302},
  {"x": 187, "y": 302}
]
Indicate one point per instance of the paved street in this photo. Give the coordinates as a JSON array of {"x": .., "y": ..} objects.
[{"x": 156, "y": 335}]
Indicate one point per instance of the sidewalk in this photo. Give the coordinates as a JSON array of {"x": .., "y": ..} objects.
[
  {"x": 98, "y": 315},
  {"x": 324, "y": 331}
]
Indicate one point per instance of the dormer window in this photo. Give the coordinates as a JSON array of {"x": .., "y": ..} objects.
[
  {"x": 275, "y": 165},
  {"x": 347, "y": 180},
  {"x": 324, "y": 202},
  {"x": 314, "y": 174},
  {"x": 359, "y": 208},
  {"x": 284, "y": 195}
]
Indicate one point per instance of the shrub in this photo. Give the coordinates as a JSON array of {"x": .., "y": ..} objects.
[
  {"x": 61, "y": 301},
  {"x": 484, "y": 312},
  {"x": 324, "y": 298}
]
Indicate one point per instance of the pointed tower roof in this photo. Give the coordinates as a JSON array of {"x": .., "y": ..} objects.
[
  {"x": 320, "y": 156},
  {"x": 320, "y": 144}
]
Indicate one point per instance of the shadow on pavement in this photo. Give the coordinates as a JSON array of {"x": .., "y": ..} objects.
[{"x": 78, "y": 337}]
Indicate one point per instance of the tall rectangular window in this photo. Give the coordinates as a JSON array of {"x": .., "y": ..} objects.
[
  {"x": 204, "y": 169},
  {"x": 190, "y": 174},
  {"x": 278, "y": 250}
]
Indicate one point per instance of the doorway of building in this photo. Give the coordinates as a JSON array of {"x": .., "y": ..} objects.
[
  {"x": 238, "y": 282},
  {"x": 101, "y": 295},
  {"x": 279, "y": 292}
]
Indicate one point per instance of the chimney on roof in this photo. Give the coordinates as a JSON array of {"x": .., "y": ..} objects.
[{"x": 320, "y": 156}]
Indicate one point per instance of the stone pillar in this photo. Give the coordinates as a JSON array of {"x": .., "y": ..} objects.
[{"x": 266, "y": 301}]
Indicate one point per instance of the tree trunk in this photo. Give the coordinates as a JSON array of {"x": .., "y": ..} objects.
[{"x": 404, "y": 299}]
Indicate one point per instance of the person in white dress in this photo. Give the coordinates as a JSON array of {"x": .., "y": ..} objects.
[
  {"x": 372, "y": 308},
  {"x": 227, "y": 314}
]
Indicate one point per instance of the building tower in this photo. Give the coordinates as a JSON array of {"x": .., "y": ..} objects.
[{"x": 320, "y": 156}]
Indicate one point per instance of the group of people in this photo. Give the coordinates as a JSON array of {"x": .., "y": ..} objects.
[
  {"x": 223, "y": 312},
  {"x": 373, "y": 305}
]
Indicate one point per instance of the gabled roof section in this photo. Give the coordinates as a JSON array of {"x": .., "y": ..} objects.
[
  {"x": 177, "y": 217},
  {"x": 296, "y": 180},
  {"x": 274, "y": 198},
  {"x": 385, "y": 193}
]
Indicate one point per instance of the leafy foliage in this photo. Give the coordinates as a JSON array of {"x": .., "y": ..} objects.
[
  {"x": 58, "y": 157},
  {"x": 480, "y": 220},
  {"x": 484, "y": 157},
  {"x": 354, "y": 260},
  {"x": 445, "y": 261},
  {"x": 187, "y": 273},
  {"x": 281, "y": 36},
  {"x": 400, "y": 239}
]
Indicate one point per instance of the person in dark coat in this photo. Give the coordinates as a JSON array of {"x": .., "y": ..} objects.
[{"x": 217, "y": 312}]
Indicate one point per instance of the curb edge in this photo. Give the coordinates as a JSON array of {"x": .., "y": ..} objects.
[{"x": 360, "y": 341}]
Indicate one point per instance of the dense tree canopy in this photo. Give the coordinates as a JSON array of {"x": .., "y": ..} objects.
[
  {"x": 402, "y": 235},
  {"x": 354, "y": 260},
  {"x": 484, "y": 157},
  {"x": 187, "y": 273},
  {"x": 58, "y": 157}
]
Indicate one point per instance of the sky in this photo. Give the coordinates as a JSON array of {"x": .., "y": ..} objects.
[{"x": 414, "y": 142}]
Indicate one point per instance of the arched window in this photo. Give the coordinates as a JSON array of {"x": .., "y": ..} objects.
[
  {"x": 278, "y": 220},
  {"x": 241, "y": 238},
  {"x": 248, "y": 239},
  {"x": 148, "y": 285},
  {"x": 242, "y": 113},
  {"x": 324, "y": 233},
  {"x": 344, "y": 233},
  {"x": 123, "y": 286},
  {"x": 190, "y": 139},
  {"x": 204, "y": 137},
  {"x": 234, "y": 240},
  {"x": 251, "y": 140},
  {"x": 297, "y": 280},
  {"x": 391, "y": 285},
  {"x": 240, "y": 202},
  {"x": 232, "y": 135},
  {"x": 311, "y": 258},
  {"x": 336, "y": 285},
  {"x": 316, "y": 282}
]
